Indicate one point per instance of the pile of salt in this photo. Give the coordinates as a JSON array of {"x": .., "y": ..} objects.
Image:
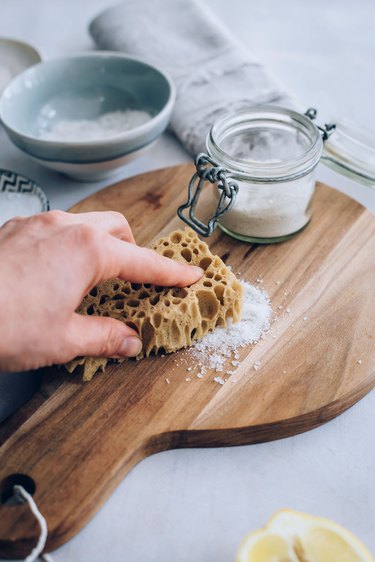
[{"x": 217, "y": 348}]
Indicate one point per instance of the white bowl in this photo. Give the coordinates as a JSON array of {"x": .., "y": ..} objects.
[
  {"x": 92, "y": 171},
  {"x": 85, "y": 87}
]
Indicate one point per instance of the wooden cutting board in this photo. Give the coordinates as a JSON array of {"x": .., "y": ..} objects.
[{"x": 76, "y": 441}]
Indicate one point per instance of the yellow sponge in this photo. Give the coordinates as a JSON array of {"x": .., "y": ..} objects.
[{"x": 167, "y": 319}]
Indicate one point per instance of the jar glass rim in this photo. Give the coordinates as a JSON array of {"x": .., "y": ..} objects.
[{"x": 264, "y": 171}]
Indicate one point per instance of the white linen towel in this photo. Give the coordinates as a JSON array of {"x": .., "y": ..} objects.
[{"x": 213, "y": 73}]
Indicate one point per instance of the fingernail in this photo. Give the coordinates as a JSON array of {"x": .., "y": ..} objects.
[
  {"x": 130, "y": 347},
  {"x": 198, "y": 270}
]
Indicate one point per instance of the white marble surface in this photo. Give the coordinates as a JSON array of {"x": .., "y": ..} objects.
[{"x": 198, "y": 504}]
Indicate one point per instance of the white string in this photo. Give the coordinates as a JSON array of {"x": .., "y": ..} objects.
[{"x": 21, "y": 494}]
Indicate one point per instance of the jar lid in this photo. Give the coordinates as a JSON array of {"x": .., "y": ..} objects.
[
  {"x": 20, "y": 196},
  {"x": 350, "y": 150}
]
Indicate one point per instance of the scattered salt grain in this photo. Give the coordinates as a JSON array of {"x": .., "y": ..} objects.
[
  {"x": 287, "y": 310},
  {"x": 278, "y": 282},
  {"x": 284, "y": 372},
  {"x": 359, "y": 361},
  {"x": 167, "y": 381},
  {"x": 305, "y": 318},
  {"x": 219, "y": 380},
  {"x": 280, "y": 306},
  {"x": 188, "y": 369},
  {"x": 188, "y": 379},
  {"x": 200, "y": 375},
  {"x": 256, "y": 366}
]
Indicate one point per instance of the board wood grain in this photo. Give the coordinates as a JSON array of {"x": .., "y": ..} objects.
[{"x": 77, "y": 441}]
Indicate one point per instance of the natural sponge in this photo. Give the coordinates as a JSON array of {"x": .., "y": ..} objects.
[{"x": 168, "y": 319}]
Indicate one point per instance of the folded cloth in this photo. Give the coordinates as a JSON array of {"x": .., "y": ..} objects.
[{"x": 213, "y": 73}]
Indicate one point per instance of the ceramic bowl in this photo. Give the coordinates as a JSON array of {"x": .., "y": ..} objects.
[
  {"x": 15, "y": 57},
  {"x": 92, "y": 171},
  {"x": 85, "y": 87}
]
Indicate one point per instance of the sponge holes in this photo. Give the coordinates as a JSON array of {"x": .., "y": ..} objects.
[
  {"x": 186, "y": 254},
  {"x": 143, "y": 294},
  {"x": 131, "y": 325},
  {"x": 205, "y": 263},
  {"x": 168, "y": 253},
  {"x": 176, "y": 237},
  {"x": 219, "y": 292},
  {"x": 179, "y": 293},
  {"x": 157, "y": 319},
  {"x": 208, "y": 304}
]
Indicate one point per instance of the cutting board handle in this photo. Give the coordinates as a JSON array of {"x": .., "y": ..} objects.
[{"x": 61, "y": 471}]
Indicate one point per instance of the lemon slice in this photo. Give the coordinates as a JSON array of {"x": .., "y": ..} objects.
[{"x": 291, "y": 536}]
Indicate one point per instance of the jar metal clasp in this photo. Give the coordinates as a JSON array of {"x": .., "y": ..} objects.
[
  {"x": 211, "y": 171},
  {"x": 325, "y": 131}
]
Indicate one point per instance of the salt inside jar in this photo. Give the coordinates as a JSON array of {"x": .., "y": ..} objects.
[{"x": 270, "y": 153}]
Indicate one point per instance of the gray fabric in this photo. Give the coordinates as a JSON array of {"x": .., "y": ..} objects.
[{"x": 212, "y": 71}]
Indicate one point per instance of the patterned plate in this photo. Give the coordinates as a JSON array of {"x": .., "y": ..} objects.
[{"x": 20, "y": 196}]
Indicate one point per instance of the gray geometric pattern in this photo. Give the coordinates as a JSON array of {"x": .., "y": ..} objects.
[{"x": 15, "y": 183}]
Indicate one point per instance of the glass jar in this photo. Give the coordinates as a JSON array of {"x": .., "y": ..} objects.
[{"x": 263, "y": 163}]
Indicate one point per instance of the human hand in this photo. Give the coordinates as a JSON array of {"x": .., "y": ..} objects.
[{"x": 48, "y": 263}]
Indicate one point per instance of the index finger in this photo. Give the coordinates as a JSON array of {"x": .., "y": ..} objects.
[
  {"x": 141, "y": 265},
  {"x": 112, "y": 222}
]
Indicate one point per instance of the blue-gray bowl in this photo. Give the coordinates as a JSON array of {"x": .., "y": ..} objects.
[{"x": 85, "y": 87}]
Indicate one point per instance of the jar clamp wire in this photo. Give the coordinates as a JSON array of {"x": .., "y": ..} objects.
[{"x": 263, "y": 162}]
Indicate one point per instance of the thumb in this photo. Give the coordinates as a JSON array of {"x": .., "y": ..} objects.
[{"x": 103, "y": 337}]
